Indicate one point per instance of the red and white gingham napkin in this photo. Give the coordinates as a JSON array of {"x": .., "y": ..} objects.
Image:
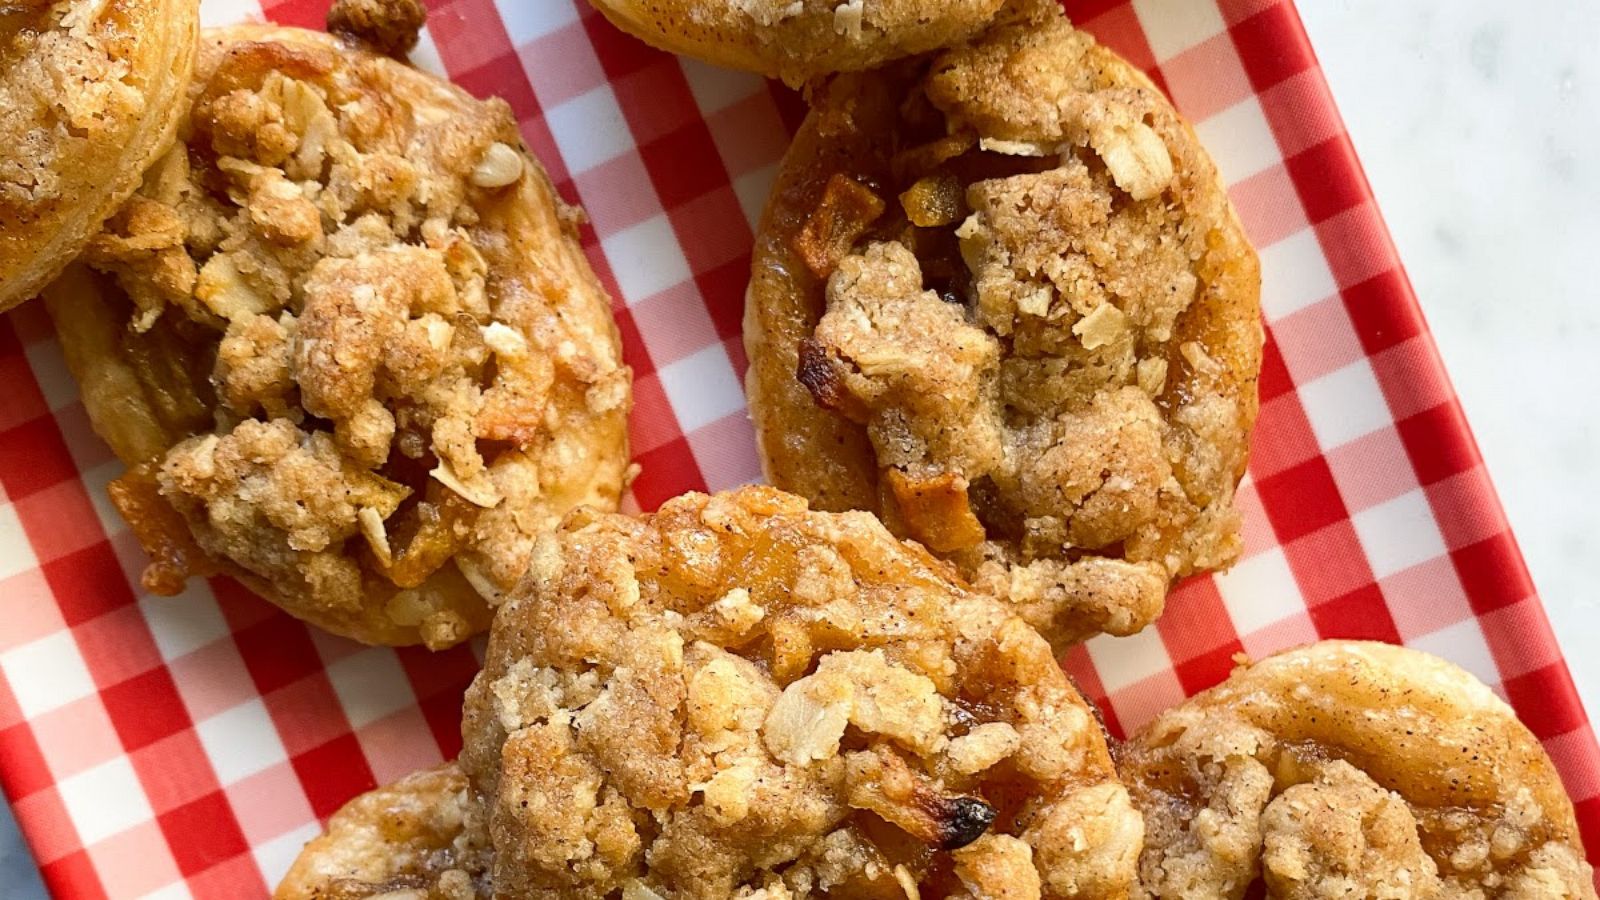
[{"x": 189, "y": 746}]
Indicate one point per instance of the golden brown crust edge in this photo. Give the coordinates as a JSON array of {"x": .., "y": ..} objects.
[
  {"x": 804, "y": 448},
  {"x": 97, "y": 173},
  {"x": 537, "y": 225},
  {"x": 797, "y": 40}
]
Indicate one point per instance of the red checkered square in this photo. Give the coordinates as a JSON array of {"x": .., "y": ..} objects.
[
  {"x": 1207, "y": 78},
  {"x": 33, "y": 458},
  {"x": 1317, "y": 340},
  {"x": 1372, "y": 469},
  {"x": 561, "y": 65},
  {"x": 1490, "y": 572},
  {"x": 73, "y": 876},
  {"x": 617, "y": 193},
  {"x": 1379, "y": 325},
  {"x": 203, "y": 833},
  {"x": 145, "y": 708},
  {"x": 1426, "y": 598},
  {"x": 174, "y": 770},
  {"x": 332, "y": 773},
  {"x": 1549, "y": 686},
  {"x": 1329, "y": 563},
  {"x": 663, "y": 471},
  {"x": 26, "y": 772},
  {"x": 1367, "y": 513},
  {"x": 676, "y": 183},
  {"x": 79, "y": 736},
  {"x": 1301, "y": 499},
  {"x": 269, "y": 804},
  {"x": 278, "y": 652},
  {"x": 83, "y": 572},
  {"x": 1268, "y": 206},
  {"x": 1273, "y": 46},
  {"x": 1361, "y": 614},
  {"x": 1519, "y": 637},
  {"x": 389, "y": 749},
  {"x": 138, "y": 861}
]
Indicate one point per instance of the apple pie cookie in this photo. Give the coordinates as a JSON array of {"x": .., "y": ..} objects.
[
  {"x": 347, "y": 344},
  {"x": 1000, "y": 299},
  {"x": 1351, "y": 769}
]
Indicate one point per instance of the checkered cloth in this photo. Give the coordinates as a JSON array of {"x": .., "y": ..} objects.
[{"x": 189, "y": 746}]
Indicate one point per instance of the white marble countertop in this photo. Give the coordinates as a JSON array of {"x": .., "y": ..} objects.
[{"x": 1476, "y": 123}]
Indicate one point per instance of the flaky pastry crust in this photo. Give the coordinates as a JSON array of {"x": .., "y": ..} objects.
[
  {"x": 1000, "y": 299},
  {"x": 797, "y": 40},
  {"x": 91, "y": 92},
  {"x": 420, "y": 838},
  {"x": 347, "y": 343},
  {"x": 1351, "y": 769},
  {"x": 738, "y": 697}
]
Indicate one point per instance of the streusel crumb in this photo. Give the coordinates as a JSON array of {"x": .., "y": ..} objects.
[
  {"x": 377, "y": 364},
  {"x": 390, "y": 27}
]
